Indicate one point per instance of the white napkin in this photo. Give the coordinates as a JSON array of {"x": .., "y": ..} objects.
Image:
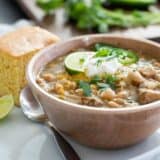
[{"x": 151, "y": 155}]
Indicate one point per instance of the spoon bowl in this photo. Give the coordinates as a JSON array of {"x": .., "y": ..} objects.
[{"x": 31, "y": 108}]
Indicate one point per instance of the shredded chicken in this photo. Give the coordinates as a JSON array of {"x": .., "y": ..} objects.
[
  {"x": 148, "y": 96},
  {"x": 148, "y": 72},
  {"x": 92, "y": 101}
]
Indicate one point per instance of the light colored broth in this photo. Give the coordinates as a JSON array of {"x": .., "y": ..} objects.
[{"x": 136, "y": 84}]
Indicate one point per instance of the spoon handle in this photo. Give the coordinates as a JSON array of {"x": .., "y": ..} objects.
[{"x": 66, "y": 149}]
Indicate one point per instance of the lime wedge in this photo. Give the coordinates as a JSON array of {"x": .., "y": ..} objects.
[
  {"x": 6, "y": 105},
  {"x": 75, "y": 62}
]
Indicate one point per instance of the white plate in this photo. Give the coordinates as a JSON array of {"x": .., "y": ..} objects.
[{"x": 21, "y": 139}]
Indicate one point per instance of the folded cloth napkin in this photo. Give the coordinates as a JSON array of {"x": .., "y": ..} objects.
[{"x": 151, "y": 155}]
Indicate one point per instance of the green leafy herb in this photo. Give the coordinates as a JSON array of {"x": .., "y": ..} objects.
[
  {"x": 86, "y": 88},
  {"x": 99, "y": 62},
  {"x": 48, "y": 5},
  {"x": 103, "y": 86},
  {"x": 111, "y": 80},
  {"x": 95, "y": 79},
  {"x": 98, "y": 46},
  {"x": 133, "y": 3},
  {"x": 92, "y": 14},
  {"x": 126, "y": 57},
  {"x": 103, "y": 52}
]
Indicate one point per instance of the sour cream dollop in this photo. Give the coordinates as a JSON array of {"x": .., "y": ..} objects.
[{"x": 104, "y": 67}]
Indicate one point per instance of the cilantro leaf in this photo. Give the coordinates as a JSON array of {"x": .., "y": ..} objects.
[
  {"x": 103, "y": 86},
  {"x": 48, "y": 5},
  {"x": 111, "y": 80},
  {"x": 102, "y": 52},
  {"x": 95, "y": 79},
  {"x": 98, "y": 46},
  {"x": 86, "y": 88}
]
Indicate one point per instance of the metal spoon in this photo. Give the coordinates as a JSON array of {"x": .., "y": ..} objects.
[{"x": 33, "y": 111}]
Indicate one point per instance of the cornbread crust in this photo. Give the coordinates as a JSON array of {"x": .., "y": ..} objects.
[
  {"x": 25, "y": 40},
  {"x": 16, "y": 49}
]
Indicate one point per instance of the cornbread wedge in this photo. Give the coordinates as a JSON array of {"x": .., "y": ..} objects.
[{"x": 16, "y": 49}]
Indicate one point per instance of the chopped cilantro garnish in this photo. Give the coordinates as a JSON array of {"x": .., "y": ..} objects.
[
  {"x": 86, "y": 88},
  {"x": 107, "y": 81},
  {"x": 103, "y": 86},
  {"x": 95, "y": 79},
  {"x": 103, "y": 52},
  {"x": 125, "y": 57},
  {"x": 128, "y": 57},
  {"x": 98, "y": 46},
  {"x": 111, "y": 80},
  {"x": 99, "y": 62}
]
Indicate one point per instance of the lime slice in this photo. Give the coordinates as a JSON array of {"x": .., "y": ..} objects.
[
  {"x": 75, "y": 62},
  {"x": 6, "y": 105}
]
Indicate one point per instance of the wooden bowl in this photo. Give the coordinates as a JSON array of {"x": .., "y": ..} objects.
[{"x": 91, "y": 126}]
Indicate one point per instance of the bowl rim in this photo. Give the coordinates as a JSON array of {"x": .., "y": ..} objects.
[{"x": 32, "y": 82}]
